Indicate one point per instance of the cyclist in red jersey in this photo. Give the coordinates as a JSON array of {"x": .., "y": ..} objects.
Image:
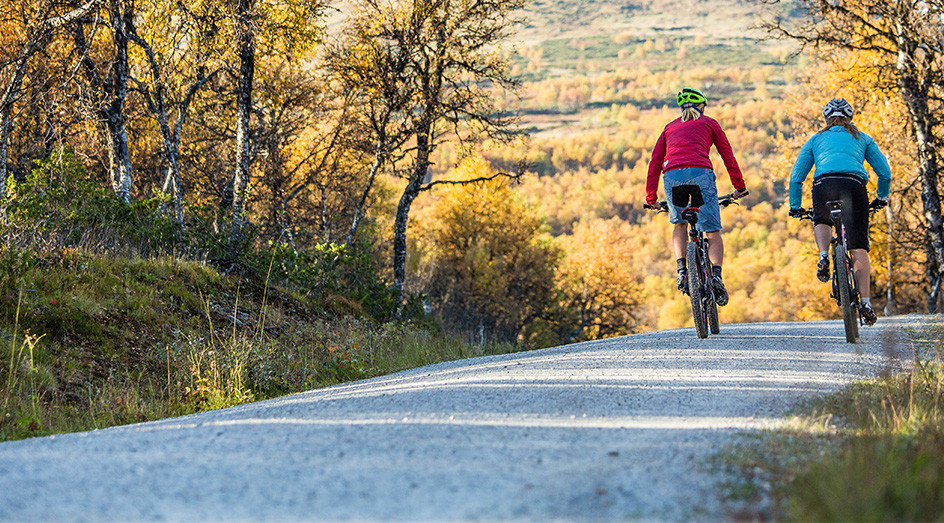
[{"x": 681, "y": 157}]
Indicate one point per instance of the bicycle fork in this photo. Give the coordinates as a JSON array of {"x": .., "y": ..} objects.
[{"x": 704, "y": 268}]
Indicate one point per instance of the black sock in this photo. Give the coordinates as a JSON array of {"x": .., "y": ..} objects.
[
  {"x": 716, "y": 270},
  {"x": 680, "y": 264}
]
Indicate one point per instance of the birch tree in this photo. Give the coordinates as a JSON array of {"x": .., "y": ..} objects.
[
  {"x": 37, "y": 25},
  {"x": 450, "y": 51},
  {"x": 245, "y": 33},
  {"x": 178, "y": 45},
  {"x": 280, "y": 26},
  {"x": 108, "y": 83},
  {"x": 375, "y": 73}
]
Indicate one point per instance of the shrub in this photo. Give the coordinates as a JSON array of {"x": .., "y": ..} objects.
[
  {"x": 57, "y": 206},
  {"x": 331, "y": 273}
]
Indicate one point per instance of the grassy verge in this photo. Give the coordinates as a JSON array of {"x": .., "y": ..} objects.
[
  {"x": 872, "y": 452},
  {"x": 89, "y": 342}
]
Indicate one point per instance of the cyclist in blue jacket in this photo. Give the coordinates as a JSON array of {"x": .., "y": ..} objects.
[{"x": 839, "y": 151}]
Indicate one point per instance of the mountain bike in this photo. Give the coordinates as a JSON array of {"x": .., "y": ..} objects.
[
  {"x": 845, "y": 289},
  {"x": 700, "y": 290}
]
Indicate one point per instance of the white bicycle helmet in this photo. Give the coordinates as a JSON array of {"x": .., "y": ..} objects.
[{"x": 838, "y": 107}]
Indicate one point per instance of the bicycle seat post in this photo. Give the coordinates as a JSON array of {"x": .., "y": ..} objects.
[{"x": 835, "y": 210}]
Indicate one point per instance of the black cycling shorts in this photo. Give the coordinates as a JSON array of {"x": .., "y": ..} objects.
[{"x": 855, "y": 206}]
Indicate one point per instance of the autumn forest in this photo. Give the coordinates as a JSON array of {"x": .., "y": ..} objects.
[{"x": 299, "y": 125}]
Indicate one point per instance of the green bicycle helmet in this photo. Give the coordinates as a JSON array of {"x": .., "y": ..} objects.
[{"x": 689, "y": 97}]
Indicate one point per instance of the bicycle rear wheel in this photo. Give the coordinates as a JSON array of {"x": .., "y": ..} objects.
[
  {"x": 854, "y": 298},
  {"x": 695, "y": 290},
  {"x": 849, "y": 319}
]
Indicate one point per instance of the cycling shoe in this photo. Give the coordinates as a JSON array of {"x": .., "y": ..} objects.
[
  {"x": 682, "y": 282},
  {"x": 721, "y": 294},
  {"x": 822, "y": 269},
  {"x": 868, "y": 315}
]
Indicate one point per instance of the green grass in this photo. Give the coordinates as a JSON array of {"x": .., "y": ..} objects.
[
  {"x": 872, "y": 452},
  {"x": 602, "y": 53},
  {"x": 90, "y": 341}
]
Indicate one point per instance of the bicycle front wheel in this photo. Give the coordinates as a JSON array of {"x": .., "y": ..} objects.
[
  {"x": 696, "y": 290},
  {"x": 713, "y": 324},
  {"x": 843, "y": 275}
]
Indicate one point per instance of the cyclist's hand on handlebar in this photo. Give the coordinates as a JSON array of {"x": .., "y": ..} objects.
[
  {"x": 798, "y": 213},
  {"x": 878, "y": 203},
  {"x": 740, "y": 193}
]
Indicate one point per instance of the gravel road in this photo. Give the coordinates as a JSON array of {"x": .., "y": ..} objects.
[{"x": 611, "y": 429}]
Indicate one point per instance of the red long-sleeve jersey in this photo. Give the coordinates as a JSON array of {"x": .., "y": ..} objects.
[{"x": 686, "y": 144}]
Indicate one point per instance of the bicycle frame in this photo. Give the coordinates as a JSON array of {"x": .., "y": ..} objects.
[
  {"x": 839, "y": 240},
  {"x": 845, "y": 288},
  {"x": 704, "y": 303},
  {"x": 700, "y": 290}
]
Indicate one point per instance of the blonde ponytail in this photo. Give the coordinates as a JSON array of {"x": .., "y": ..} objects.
[{"x": 692, "y": 112}]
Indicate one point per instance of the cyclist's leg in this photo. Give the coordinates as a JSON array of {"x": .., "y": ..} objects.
[
  {"x": 857, "y": 237},
  {"x": 715, "y": 247},
  {"x": 823, "y": 234},
  {"x": 671, "y": 180},
  {"x": 709, "y": 216},
  {"x": 679, "y": 239},
  {"x": 716, "y": 256},
  {"x": 824, "y": 190},
  {"x": 862, "y": 268}
]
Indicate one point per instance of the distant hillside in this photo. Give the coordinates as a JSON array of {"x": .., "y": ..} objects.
[
  {"x": 576, "y": 57},
  {"x": 715, "y": 20}
]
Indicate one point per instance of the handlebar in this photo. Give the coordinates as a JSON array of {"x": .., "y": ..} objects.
[
  {"x": 728, "y": 199},
  {"x": 804, "y": 214},
  {"x": 807, "y": 214},
  {"x": 723, "y": 201},
  {"x": 662, "y": 206}
]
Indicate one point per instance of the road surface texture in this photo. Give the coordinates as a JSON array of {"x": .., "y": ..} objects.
[{"x": 607, "y": 430}]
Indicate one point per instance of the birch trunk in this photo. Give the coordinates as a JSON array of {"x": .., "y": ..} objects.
[
  {"x": 119, "y": 156},
  {"x": 891, "y": 305},
  {"x": 412, "y": 190},
  {"x": 247, "y": 47},
  {"x": 916, "y": 99},
  {"x": 36, "y": 42},
  {"x": 172, "y": 182},
  {"x": 156, "y": 104},
  {"x": 359, "y": 210},
  {"x": 6, "y": 114}
]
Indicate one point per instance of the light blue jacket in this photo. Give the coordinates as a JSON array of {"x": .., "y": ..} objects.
[{"x": 836, "y": 151}]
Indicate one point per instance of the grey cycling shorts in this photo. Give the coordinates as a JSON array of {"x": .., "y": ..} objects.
[{"x": 709, "y": 214}]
